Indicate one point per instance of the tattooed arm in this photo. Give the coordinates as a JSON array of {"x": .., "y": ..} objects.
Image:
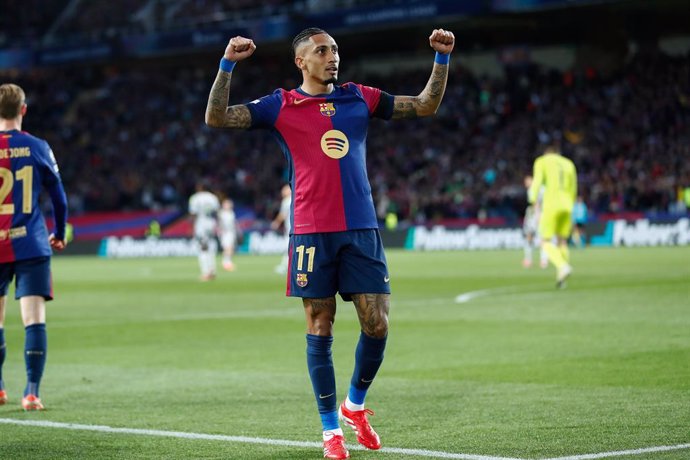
[
  {"x": 218, "y": 114},
  {"x": 428, "y": 101}
]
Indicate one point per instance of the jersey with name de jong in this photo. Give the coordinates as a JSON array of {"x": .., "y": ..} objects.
[
  {"x": 26, "y": 165},
  {"x": 323, "y": 138}
]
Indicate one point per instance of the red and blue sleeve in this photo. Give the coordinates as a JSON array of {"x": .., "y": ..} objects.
[
  {"x": 379, "y": 102},
  {"x": 265, "y": 110},
  {"x": 52, "y": 182}
]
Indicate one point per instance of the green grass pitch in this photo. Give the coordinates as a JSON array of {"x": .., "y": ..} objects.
[{"x": 519, "y": 370}]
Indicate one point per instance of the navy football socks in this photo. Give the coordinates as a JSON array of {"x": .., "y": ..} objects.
[
  {"x": 35, "y": 349},
  {"x": 322, "y": 374},
  {"x": 368, "y": 359},
  {"x": 3, "y": 349}
]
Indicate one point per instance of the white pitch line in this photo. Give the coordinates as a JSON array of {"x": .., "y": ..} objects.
[
  {"x": 437, "y": 454},
  {"x": 467, "y": 296},
  {"x": 241, "y": 439},
  {"x": 471, "y": 295},
  {"x": 315, "y": 445},
  {"x": 621, "y": 453}
]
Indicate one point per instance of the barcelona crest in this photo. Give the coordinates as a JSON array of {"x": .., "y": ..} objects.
[
  {"x": 327, "y": 109},
  {"x": 301, "y": 279}
]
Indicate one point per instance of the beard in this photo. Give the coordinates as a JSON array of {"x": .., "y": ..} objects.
[{"x": 331, "y": 80}]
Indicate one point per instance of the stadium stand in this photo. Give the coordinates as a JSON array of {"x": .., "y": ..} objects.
[
  {"x": 28, "y": 22},
  {"x": 131, "y": 136}
]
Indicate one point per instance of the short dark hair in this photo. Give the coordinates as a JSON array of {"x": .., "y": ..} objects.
[
  {"x": 304, "y": 36},
  {"x": 12, "y": 98}
]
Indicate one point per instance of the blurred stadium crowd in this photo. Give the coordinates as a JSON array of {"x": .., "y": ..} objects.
[
  {"x": 133, "y": 136},
  {"x": 38, "y": 20}
]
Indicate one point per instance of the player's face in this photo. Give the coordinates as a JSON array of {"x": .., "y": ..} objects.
[{"x": 319, "y": 58}]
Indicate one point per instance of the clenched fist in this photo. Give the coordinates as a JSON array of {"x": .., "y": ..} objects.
[
  {"x": 442, "y": 41},
  {"x": 56, "y": 244},
  {"x": 239, "y": 48}
]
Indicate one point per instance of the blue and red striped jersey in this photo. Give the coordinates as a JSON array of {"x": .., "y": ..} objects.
[
  {"x": 27, "y": 164},
  {"x": 324, "y": 138}
]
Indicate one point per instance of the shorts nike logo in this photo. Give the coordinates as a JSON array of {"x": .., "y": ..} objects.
[
  {"x": 386, "y": 279},
  {"x": 327, "y": 396}
]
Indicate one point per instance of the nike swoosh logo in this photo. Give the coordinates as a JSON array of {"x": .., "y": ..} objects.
[
  {"x": 386, "y": 279},
  {"x": 327, "y": 396},
  {"x": 299, "y": 101},
  {"x": 367, "y": 381}
]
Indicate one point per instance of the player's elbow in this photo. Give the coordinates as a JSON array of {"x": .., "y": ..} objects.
[
  {"x": 428, "y": 113},
  {"x": 211, "y": 121},
  {"x": 427, "y": 110}
]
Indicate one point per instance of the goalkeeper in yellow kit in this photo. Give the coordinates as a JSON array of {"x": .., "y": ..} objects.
[{"x": 558, "y": 176}]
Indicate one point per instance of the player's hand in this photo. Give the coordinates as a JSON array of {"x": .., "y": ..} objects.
[
  {"x": 239, "y": 48},
  {"x": 442, "y": 41},
  {"x": 56, "y": 244}
]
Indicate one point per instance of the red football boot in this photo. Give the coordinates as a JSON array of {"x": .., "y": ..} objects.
[
  {"x": 357, "y": 420},
  {"x": 31, "y": 402},
  {"x": 335, "y": 448}
]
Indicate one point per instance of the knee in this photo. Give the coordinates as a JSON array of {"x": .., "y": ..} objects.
[
  {"x": 33, "y": 310},
  {"x": 31, "y": 321},
  {"x": 321, "y": 325},
  {"x": 379, "y": 329}
]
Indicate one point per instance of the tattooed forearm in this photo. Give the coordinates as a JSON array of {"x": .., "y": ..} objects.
[
  {"x": 218, "y": 100},
  {"x": 372, "y": 310},
  {"x": 437, "y": 83},
  {"x": 218, "y": 114},
  {"x": 428, "y": 100}
]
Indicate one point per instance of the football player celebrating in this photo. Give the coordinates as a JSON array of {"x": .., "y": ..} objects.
[{"x": 335, "y": 246}]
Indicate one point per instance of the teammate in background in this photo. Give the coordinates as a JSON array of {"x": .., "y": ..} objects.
[
  {"x": 558, "y": 176},
  {"x": 283, "y": 218},
  {"x": 530, "y": 229},
  {"x": 204, "y": 206},
  {"x": 228, "y": 232},
  {"x": 335, "y": 246},
  {"x": 580, "y": 216},
  {"x": 27, "y": 165}
]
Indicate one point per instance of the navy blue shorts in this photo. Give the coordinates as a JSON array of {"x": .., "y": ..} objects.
[
  {"x": 32, "y": 277},
  {"x": 323, "y": 264}
]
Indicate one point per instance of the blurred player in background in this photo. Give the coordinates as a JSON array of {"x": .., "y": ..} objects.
[
  {"x": 335, "y": 244},
  {"x": 283, "y": 218},
  {"x": 530, "y": 229},
  {"x": 204, "y": 206},
  {"x": 27, "y": 165},
  {"x": 580, "y": 216},
  {"x": 227, "y": 231},
  {"x": 558, "y": 176}
]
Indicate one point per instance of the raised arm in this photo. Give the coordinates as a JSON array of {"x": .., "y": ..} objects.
[
  {"x": 428, "y": 101},
  {"x": 218, "y": 114}
]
